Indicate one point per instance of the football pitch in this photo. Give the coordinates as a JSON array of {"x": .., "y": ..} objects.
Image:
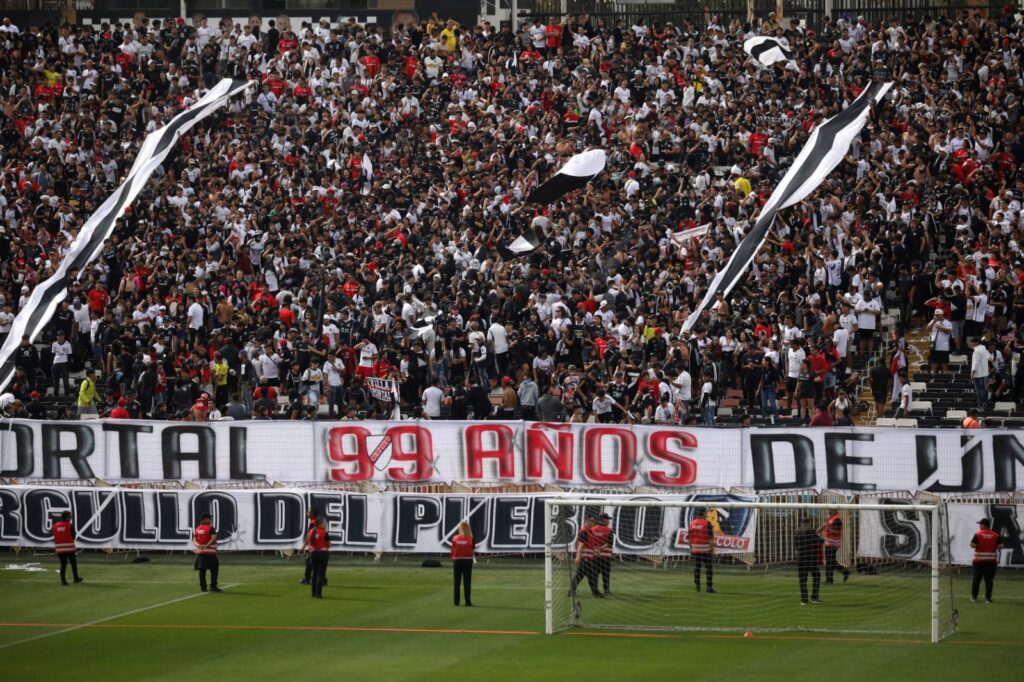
[{"x": 396, "y": 621}]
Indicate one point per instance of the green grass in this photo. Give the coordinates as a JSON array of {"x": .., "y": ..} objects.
[{"x": 247, "y": 635}]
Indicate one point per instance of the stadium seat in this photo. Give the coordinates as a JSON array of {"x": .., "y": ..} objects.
[
  {"x": 1007, "y": 407},
  {"x": 885, "y": 421},
  {"x": 921, "y": 406},
  {"x": 906, "y": 423},
  {"x": 956, "y": 414}
]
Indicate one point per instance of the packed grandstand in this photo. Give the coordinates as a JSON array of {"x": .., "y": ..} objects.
[{"x": 348, "y": 219}]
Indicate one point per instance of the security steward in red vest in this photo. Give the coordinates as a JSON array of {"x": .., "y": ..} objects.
[
  {"x": 318, "y": 544},
  {"x": 205, "y": 540},
  {"x": 605, "y": 552},
  {"x": 587, "y": 544},
  {"x": 64, "y": 545},
  {"x": 986, "y": 544},
  {"x": 832, "y": 533},
  {"x": 463, "y": 551},
  {"x": 311, "y": 524},
  {"x": 702, "y": 549}
]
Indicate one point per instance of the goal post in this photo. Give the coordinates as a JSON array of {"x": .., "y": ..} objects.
[{"x": 871, "y": 580}]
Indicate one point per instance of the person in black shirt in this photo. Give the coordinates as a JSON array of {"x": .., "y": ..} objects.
[
  {"x": 479, "y": 400},
  {"x": 26, "y": 358},
  {"x": 35, "y": 408},
  {"x": 807, "y": 546}
]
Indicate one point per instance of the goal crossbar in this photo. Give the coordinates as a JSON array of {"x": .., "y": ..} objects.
[{"x": 551, "y": 504}]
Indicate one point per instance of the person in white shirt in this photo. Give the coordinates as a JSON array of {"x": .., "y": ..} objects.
[
  {"x": 906, "y": 395},
  {"x": 196, "y": 316},
  {"x": 269, "y": 366},
  {"x": 868, "y": 311},
  {"x": 367, "y": 352},
  {"x": 940, "y": 332},
  {"x": 498, "y": 338},
  {"x": 980, "y": 361},
  {"x": 683, "y": 389},
  {"x": 666, "y": 413},
  {"x": 61, "y": 350},
  {"x": 334, "y": 371},
  {"x": 313, "y": 379},
  {"x": 795, "y": 357},
  {"x": 432, "y": 396}
]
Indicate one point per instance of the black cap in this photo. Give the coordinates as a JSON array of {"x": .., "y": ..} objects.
[{"x": 985, "y": 522}]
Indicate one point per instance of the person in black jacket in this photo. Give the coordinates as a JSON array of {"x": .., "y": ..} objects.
[
  {"x": 807, "y": 545},
  {"x": 26, "y": 357}
]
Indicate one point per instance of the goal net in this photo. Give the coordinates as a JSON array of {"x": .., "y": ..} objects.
[{"x": 641, "y": 564}]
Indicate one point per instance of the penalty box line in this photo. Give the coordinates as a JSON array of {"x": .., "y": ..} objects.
[
  {"x": 104, "y": 624},
  {"x": 99, "y": 622}
]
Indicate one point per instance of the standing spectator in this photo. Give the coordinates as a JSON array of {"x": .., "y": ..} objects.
[
  {"x": 708, "y": 399},
  {"x": 528, "y": 396},
  {"x": 60, "y": 371},
  {"x": 940, "y": 331},
  {"x": 26, "y": 358},
  {"x": 432, "y": 396},
  {"x": 334, "y": 370},
  {"x": 879, "y": 379},
  {"x": 980, "y": 361},
  {"x": 550, "y": 407},
  {"x": 88, "y": 398},
  {"x": 868, "y": 311}
]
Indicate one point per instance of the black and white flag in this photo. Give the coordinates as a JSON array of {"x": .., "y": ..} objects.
[
  {"x": 575, "y": 174},
  {"x": 824, "y": 150},
  {"x": 767, "y": 50},
  {"x": 88, "y": 245}
]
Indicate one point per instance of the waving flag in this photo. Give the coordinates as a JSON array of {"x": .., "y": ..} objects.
[
  {"x": 89, "y": 243},
  {"x": 825, "y": 148},
  {"x": 767, "y": 50},
  {"x": 576, "y": 173}
]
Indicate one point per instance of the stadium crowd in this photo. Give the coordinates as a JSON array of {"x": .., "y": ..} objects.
[{"x": 349, "y": 218}]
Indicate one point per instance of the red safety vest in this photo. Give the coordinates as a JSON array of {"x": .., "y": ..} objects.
[
  {"x": 317, "y": 540},
  {"x": 203, "y": 534},
  {"x": 986, "y": 545},
  {"x": 462, "y": 547},
  {"x": 64, "y": 538},
  {"x": 833, "y": 531},
  {"x": 603, "y": 535},
  {"x": 700, "y": 537},
  {"x": 590, "y": 542}
]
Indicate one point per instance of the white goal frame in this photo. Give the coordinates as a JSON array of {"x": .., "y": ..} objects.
[{"x": 552, "y": 504}]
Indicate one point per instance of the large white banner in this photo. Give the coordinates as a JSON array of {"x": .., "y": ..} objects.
[
  {"x": 906, "y": 535},
  {"x": 860, "y": 460},
  {"x": 274, "y": 519}
]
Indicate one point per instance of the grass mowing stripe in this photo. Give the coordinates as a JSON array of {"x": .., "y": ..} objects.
[{"x": 99, "y": 621}]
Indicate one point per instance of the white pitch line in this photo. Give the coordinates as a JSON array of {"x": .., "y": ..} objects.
[{"x": 110, "y": 618}]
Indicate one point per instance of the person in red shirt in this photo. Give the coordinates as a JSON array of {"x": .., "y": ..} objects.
[
  {"x": 205, "y": 540},
  {"x": 64, "y": 546},
  {"x": 462, "y": 561},
  {"x": 318, "y": 544},
  {"x": 605, "y": 552},
  {"x": 822, "y": 416},
  {"x": 121, "y": 411},
  {"x": 553, "y": 34},
  {"x": 986, "y": 544},
  {"x": 702, "y": 548},
  {"x": 587, "y": 544}
]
